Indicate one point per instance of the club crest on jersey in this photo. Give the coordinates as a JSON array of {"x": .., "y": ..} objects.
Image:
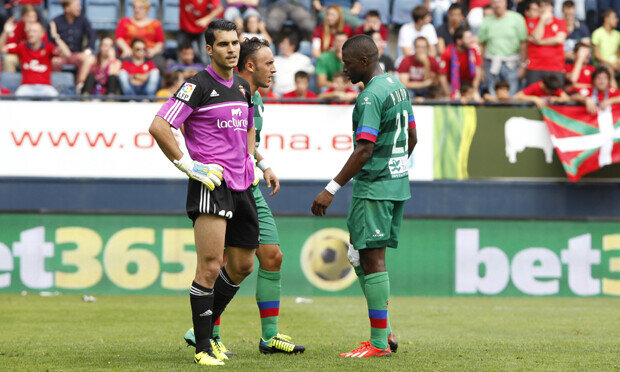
[
  {"x": 186, "y": 91},
  {"x": 241, "y": 89}
]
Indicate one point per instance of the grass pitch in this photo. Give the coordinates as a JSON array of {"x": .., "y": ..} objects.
[{"x": 461, "y": 333}]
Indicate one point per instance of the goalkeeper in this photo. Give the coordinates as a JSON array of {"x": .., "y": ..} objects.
[
  {"x": 256, "y": 65},
  {"x": 216, "y": 111}
]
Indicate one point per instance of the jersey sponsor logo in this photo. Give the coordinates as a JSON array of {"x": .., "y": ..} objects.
[
  {"x": 214, "y": 93},
  {"x": 235, "y": 123},
  {"x": 35, "y": 66},
  {"x": 366, "y": 101},
  {"x": 398, "y": 166},
  {"x": 186, "y": 91}
]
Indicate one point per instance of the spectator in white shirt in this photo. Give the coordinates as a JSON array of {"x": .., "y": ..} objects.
[
  {"x": 421, "y": 26},
  {"x": 288, "y": 62}
]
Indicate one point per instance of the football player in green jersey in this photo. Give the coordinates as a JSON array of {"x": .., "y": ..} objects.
[
  {"x": 256, "y": 65},
  {"x": 385, "y": 135}
]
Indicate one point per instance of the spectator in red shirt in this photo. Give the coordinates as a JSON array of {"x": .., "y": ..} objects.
[
  {"x": 419, "y": 71},
  {"x": 323, "y": 36},
  {"x": 460, "y": 62},
  {"x": 195, "y": 16},
  {"x": 340, "y": 90},
  {"x": 35, "y": 58},
  {"x": 141, "y": 27},
  {"x": 372, "y": 23},
  {"x": 17, "y": 35},
  {"x": 302, "y": 81},
  {"x": 579, "y": 74},
  {"x": 545, "y": 44},
  {"x": 601, "y": 94},
  {"x": 549, "y": 89},
  {"x": 138, "y": 75}
]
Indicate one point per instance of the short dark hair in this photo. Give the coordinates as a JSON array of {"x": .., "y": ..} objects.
[
  {"x": 606, "y": 13},
  {"x": 419, "y": 12},
  {"x": 568, "y": 4},
  {"x": 373, "y": 13},
  {"x": 579, "y": 45},
  {"x": 302, "y": 75},
  {"x": 601, "y": 69},
  {"x": 293, "y": 39},
  {"x": 185, "y": 45},
  {"x": 434, "y": 91},
  {"x": 248, "y": 48},
  {"x": 552, "y": 82},
  {"x": 529, "y": 3},
  {"x": 137, "y": 40},
  {"x": 465, "y": 86},
  {"x": 364, "y": 46},
  {"x": 502, "y": 84},
  {"x": 170, "y": 77},
  {"x": 220, "y": 25},
  {"x": 460, "y": 31},
  {"x": 455, "y": 6}
]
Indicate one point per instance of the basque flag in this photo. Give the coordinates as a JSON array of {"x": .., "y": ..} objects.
[{"x": 584, "y": 142}]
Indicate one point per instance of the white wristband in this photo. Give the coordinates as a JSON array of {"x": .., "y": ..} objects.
[
  {"x": 263, "y": 164},
  {"x": 185, "y": 159},
  {"x": 332, "y": 187}
]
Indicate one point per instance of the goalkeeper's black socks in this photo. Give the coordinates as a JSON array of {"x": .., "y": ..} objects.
[
  {"x": 201, "y": 300},
  {"x": 224, "y": 290}
]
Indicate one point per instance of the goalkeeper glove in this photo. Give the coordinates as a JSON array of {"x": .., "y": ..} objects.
[
  {"x": 353, "y": 255},
  {"x": 209, "y": 174}
]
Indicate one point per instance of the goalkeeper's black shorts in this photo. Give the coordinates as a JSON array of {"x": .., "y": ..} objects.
[{"x": 238, "y": 207}]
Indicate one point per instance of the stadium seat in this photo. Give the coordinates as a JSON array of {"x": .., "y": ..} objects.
[
  {"x": 64, "y": 82},
  {"x": 382, "y": 6},
  {"x": 170, "y": 15},
  {"x": 10, "y": 80},
  {"x": 401, "y": 10},
  {"x": 103, "y": 14},
  {"x": 54, "y": 9},
  {"x": 153, "y": 11}
]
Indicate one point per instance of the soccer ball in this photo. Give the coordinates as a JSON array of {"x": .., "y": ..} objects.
[
  {"x": 329, "y": 259},
  {"x": 324, "y": 260}
]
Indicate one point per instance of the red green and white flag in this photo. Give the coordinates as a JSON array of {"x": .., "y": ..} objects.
[{"x": 584, "y": 142}]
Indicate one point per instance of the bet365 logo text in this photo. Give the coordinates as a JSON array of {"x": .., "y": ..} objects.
[
  {"x": 133, "y": 258},
  {"x": 535, "y": 271}
]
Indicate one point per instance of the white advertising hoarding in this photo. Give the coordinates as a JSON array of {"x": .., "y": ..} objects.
[{"x": 111, "y": 140}]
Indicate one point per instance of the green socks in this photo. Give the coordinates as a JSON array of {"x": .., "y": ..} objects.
[
  {"x": 360, "y": 278},
  {"x": 377, "y": 291},
  {"x": 216, "y": 329},
  {"x": 268, "y": 301}
]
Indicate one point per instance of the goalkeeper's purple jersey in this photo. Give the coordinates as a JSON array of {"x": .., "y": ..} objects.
[{"x": 216, "y": 115}]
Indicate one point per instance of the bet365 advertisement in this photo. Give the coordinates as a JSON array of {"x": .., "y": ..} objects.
[{"x": 94, "y": 254}]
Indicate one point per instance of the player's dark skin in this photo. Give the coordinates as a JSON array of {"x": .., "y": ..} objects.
[{"x": 359, "y": 66}]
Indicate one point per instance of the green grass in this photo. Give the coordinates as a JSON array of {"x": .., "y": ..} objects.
[{"x": 473, "y": 333}]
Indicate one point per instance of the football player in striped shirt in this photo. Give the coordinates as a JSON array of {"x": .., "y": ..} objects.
[{"x": 385, "y": 135}]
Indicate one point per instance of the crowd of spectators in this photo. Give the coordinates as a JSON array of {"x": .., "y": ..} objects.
[{"x": 470, "y": 51}]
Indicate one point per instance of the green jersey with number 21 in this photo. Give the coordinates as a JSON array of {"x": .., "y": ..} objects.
[{"x": 383, "y": 115}]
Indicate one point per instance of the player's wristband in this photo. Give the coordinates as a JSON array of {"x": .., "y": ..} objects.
[
  {"x": 332, "y": 187},
  {"x": 263, "y": 164},
  {"x": 183, "y": 162}
]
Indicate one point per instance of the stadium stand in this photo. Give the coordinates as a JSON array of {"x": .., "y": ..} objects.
[
  {"x": 401, "y": 11},
  {"x": 170, "y": 15},
  {"x": 103, "y": 14},
  {"x": 64, "y": 82},
  {"x": 382, "y": 6}
]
